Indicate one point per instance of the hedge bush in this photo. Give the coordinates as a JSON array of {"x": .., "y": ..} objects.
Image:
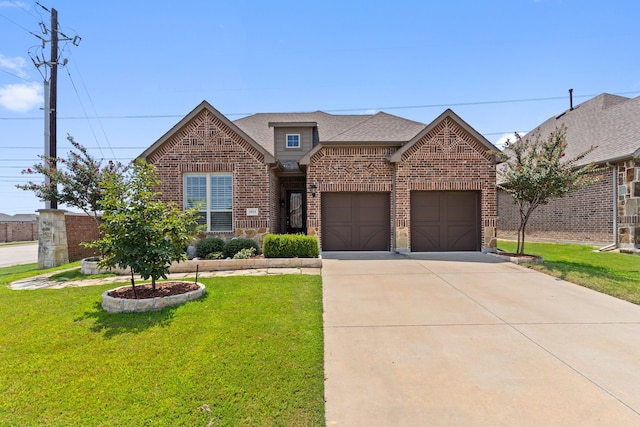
[
  {"x": 290, "y": 246},
  {"x": 232, "y": 247},
  {"x": 209, "y": 245}
]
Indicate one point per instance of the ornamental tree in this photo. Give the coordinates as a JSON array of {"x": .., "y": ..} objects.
[
  {"x": 139, "y": 231},
  {"x": 74, "y": 181},
  {"x": 535, "y": 170}
]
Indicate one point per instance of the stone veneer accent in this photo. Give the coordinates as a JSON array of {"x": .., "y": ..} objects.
[
  {"x": 629, "y": 204},
  {"x": 52, "y": 239}
]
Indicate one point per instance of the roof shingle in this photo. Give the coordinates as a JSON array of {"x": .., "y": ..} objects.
[{"x": 609, "y": 122}]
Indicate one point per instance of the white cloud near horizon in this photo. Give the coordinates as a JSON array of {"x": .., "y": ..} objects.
[
  {"x": 21, "y": 97},
  {"x": 502, "y": 141},
  {"x": 14, "y": 4},
  {"x": 15, "y": 65}
]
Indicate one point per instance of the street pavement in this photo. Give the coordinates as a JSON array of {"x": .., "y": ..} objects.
[{"x": 18, "y": 253}]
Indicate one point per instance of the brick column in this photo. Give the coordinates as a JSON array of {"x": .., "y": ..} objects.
[{"x": 52, "y": 239}]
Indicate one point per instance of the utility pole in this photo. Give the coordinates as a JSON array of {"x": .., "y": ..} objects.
[
  {"x": 53, "y": 97},
  {"x": 51, "y": 90}
]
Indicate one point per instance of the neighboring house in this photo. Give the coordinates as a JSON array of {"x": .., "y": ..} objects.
[
  {"x": 608, "y": 211},
  {"x": 358, "y": 182}
]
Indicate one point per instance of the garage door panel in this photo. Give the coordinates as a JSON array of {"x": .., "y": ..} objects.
[
  {"x": 429, "y": 236},
  {"x": 355, "y": 221},
  {"x": 445, "y": 221},
  {"x": 460, "y": 238}
]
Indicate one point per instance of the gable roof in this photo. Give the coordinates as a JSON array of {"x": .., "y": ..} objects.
[
  {"x": 354, "y": 128},
  {"x": 448, "y": 113},
  {"x": 610, "y": 122},
  {"x": 204, "y": 105}
]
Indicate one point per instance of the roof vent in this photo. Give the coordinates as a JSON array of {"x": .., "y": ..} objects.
[{"x": 570, "y": 99}]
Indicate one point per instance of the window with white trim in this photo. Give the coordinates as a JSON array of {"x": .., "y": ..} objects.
[
  {"x": 293, "y": 140},
  {"x": 212, "y": 195}
]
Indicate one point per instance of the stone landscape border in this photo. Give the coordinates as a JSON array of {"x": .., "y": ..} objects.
[
  {"x": 89, "y": 266},
  {"x": 125, "y": 305}
]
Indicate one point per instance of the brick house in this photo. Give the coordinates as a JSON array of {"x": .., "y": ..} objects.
[
  {"x": 359, "y": 182},
  {"x": 605, "y": 212}
]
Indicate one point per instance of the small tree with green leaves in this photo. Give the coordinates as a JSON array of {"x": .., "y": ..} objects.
[
  {"x": 535, "y": 170},
  {"x": 140, "y": 231},
  {"x": 74, "y": 181}
]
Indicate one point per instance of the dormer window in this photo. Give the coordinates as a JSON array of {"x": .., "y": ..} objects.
[{"x": 293, "y": 140}]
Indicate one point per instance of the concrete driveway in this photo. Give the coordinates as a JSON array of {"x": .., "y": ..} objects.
[{"x": 468, "y": 340}]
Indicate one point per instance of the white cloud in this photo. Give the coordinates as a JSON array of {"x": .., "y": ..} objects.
[
  {"x": 15, "y": 65},
  {"x": 502, "y": 141},
  {"x": 21, "y": 97},
  {"x": 14, "y": 4}
]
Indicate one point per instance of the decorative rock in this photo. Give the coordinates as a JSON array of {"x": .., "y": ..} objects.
[{"x": 125, "y": 305}]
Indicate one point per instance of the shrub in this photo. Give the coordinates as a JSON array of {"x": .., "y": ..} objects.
[
  {"x": 245, "y": 253},
  {"x": 209, "y": 245},
  {"x": 215, "y": 255},
  {"x": 232, "y": 247},
  {"x": 290, "y": 246}
]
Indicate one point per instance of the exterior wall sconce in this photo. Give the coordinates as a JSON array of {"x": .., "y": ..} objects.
[{"x": 314, "y": 190}]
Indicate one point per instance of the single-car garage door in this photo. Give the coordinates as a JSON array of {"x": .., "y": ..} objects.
[
  {"x": 355, "y": 221},
  {"x": 445, "y": 221}
]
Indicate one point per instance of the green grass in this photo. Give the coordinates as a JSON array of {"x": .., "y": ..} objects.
[
  {"x": 75, "y": 274},
  {"x": 249, "y": 353},
  {"x": 611, "y": 273}
]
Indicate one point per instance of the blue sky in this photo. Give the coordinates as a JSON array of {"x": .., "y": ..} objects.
[{"x": 503, "y": 66}]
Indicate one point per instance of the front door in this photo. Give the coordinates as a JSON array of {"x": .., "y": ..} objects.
[{"x": 296, "y": 212}]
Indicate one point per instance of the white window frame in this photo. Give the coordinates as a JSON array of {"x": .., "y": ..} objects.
[
  {"x": 286, "y": 141},
  {"x": 208, "y": 208}
]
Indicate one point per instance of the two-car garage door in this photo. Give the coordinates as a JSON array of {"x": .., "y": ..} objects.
[{"x": 440, "y": 221}]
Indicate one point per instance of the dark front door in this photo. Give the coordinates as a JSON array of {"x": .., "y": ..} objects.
[{"x": 296, "y": 212}]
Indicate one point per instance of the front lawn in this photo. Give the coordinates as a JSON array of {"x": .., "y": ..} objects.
[
  {"x": 249, "y": 353},
  {"x": 611, "y": 273}
]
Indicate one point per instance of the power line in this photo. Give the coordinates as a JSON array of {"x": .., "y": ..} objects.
[
  {"x": 15, "y": 23},
  {"x": 104, "y": 133},
  {"x": 333, "y": 110},
  {"x": 17, "y": 76}
]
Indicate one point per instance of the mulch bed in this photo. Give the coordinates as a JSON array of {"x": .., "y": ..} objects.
[{"x": 163, "y": 289}]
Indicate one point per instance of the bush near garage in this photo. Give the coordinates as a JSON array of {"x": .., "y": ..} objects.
[{"x": 290, "y": 246}]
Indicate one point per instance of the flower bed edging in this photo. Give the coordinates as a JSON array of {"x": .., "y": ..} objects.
[
  {"x": 218, "y": 265},
  {"x": 527, "y": 259},
  {"x": 124, "y": 305}
]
